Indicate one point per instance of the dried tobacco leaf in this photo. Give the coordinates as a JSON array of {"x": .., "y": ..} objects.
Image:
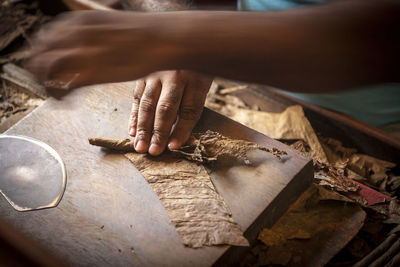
[
  {"x": 202, "y": 147},
  {"x": 277, "y": 238},
  {"x": 327, "y": 194},
  {"x": 199, "y": 213},
  {"x": 375, "y": 170},
  {"x": 209, "y": 146},
  {"x": 335, "y": 151},
  {"x": 291, "y": 124},
  {"x": 333, "y": 177},
  {"x": 308, "y": 223},
  {"x": 366, "y": 169},
  {"x": 394, "y": 212}
]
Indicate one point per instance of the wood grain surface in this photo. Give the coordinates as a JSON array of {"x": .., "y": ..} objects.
[{"x": 109, "y": 215}]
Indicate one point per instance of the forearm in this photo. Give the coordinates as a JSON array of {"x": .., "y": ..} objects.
[
  {"x": 322, "y": 48},
  {"x": 156, "y": 5}
]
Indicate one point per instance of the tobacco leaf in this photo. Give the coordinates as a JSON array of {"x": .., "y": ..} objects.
[
  {"x": 327, "y": 194},
  {"x": 211, "y": 146},
  {"x": 14, "y": 21},
  {"x": 13, "y": 102},
  {"x": 288, "y": 125},
  {"x": 394, "y": 212},
  {"x": 335, "y": 174},
  {"x": 335, "y": 151},
  {"x": 199, "y": 213},
  {"x": 310, "y": 222},
  {"x": 291, "y": 125},
  {"x": 333, "y": 177},
  {"x": 355, "y": 176},
  {"x": 277, "y": 238},
  {"x": 223, "y": 103},
  {"x": 17, "y": 19},
  {"x": 375, "y": 170},
  {"x": 183, "y": 185},
  {"x": 301, "y": 146},
  {"x": 201, "y": 147}
]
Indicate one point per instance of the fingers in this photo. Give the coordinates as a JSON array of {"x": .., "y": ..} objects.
[
  {"x": 137, "y": 95},
  {"x": 191, "y": 107},
  {"x": 165, "y": 116},
  {"x": 189, "y": 113},
  {"x": 162, "y": 99},
  {"x": 146, "y": 113}
]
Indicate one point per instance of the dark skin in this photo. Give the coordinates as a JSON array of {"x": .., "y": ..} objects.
[
  {"x": 323, "y": 48},
  {"x": 166, "y": 104}
]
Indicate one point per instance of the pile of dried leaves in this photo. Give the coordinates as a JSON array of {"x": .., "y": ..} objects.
[
  {"x": 334, "y": 164},
  {"x": 11, "y": 102},
  {"x": 14, "y": 102},
  {"x": 295, "y": 240},
  {"x": 18, "y": 20},
  {"x": 375, "y": 173},
  {"x": 320, "y": 214}
]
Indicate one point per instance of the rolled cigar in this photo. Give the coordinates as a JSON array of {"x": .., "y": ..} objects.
[{"x": 125, "y": 145}]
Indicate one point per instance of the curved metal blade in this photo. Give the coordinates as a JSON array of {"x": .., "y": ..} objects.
[{"x": 32, "y": 174}]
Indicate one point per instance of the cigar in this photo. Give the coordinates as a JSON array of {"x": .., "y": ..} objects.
[{"x": 125, "y": 145}]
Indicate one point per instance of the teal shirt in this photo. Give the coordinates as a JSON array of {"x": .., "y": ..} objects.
[
  {"x": 271, "y": 5},
  {"x": 376, "y": 105}
]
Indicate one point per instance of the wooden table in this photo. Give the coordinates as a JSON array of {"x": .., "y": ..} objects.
[{"x": 109, "y": 214}]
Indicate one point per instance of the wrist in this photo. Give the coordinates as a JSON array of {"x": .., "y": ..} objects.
[
  {"x": 197, "y": 40},
  {"x": 176, "y": 40}
]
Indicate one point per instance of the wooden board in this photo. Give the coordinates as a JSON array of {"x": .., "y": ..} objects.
[{"x": 109, "y": 215}]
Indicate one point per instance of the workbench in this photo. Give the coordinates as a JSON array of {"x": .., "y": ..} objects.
[{"x": 109, "y": 215}]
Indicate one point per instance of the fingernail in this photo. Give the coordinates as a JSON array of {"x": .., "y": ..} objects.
[
  {"x": 132, "y": 132},
  {"x": 173, "y": 145},
  {"x": 140, "y": 147},
  {"x": 155, "y": 149}
]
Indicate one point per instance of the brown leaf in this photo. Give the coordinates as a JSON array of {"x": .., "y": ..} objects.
[
  {"x": 309, "y": 222},
  {"x": 394, "y": 212},
  {"x": 333, "y": 177},
  {"x": 326, "y": 194},
  {"x": 199, "y": 213},
  {"x": 211, "y": 146},
  {"x": 288, "y": 125},
  {"x": 375, "y": 170},
  {"x": 335, "y": 151}
]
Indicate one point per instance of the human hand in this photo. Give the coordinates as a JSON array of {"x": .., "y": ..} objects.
[
  {"x": 165, "y": 101},
  {"x": 88, "y": 47}
]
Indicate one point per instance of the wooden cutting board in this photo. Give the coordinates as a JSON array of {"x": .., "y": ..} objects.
[{"x": 109, "y": 214}]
